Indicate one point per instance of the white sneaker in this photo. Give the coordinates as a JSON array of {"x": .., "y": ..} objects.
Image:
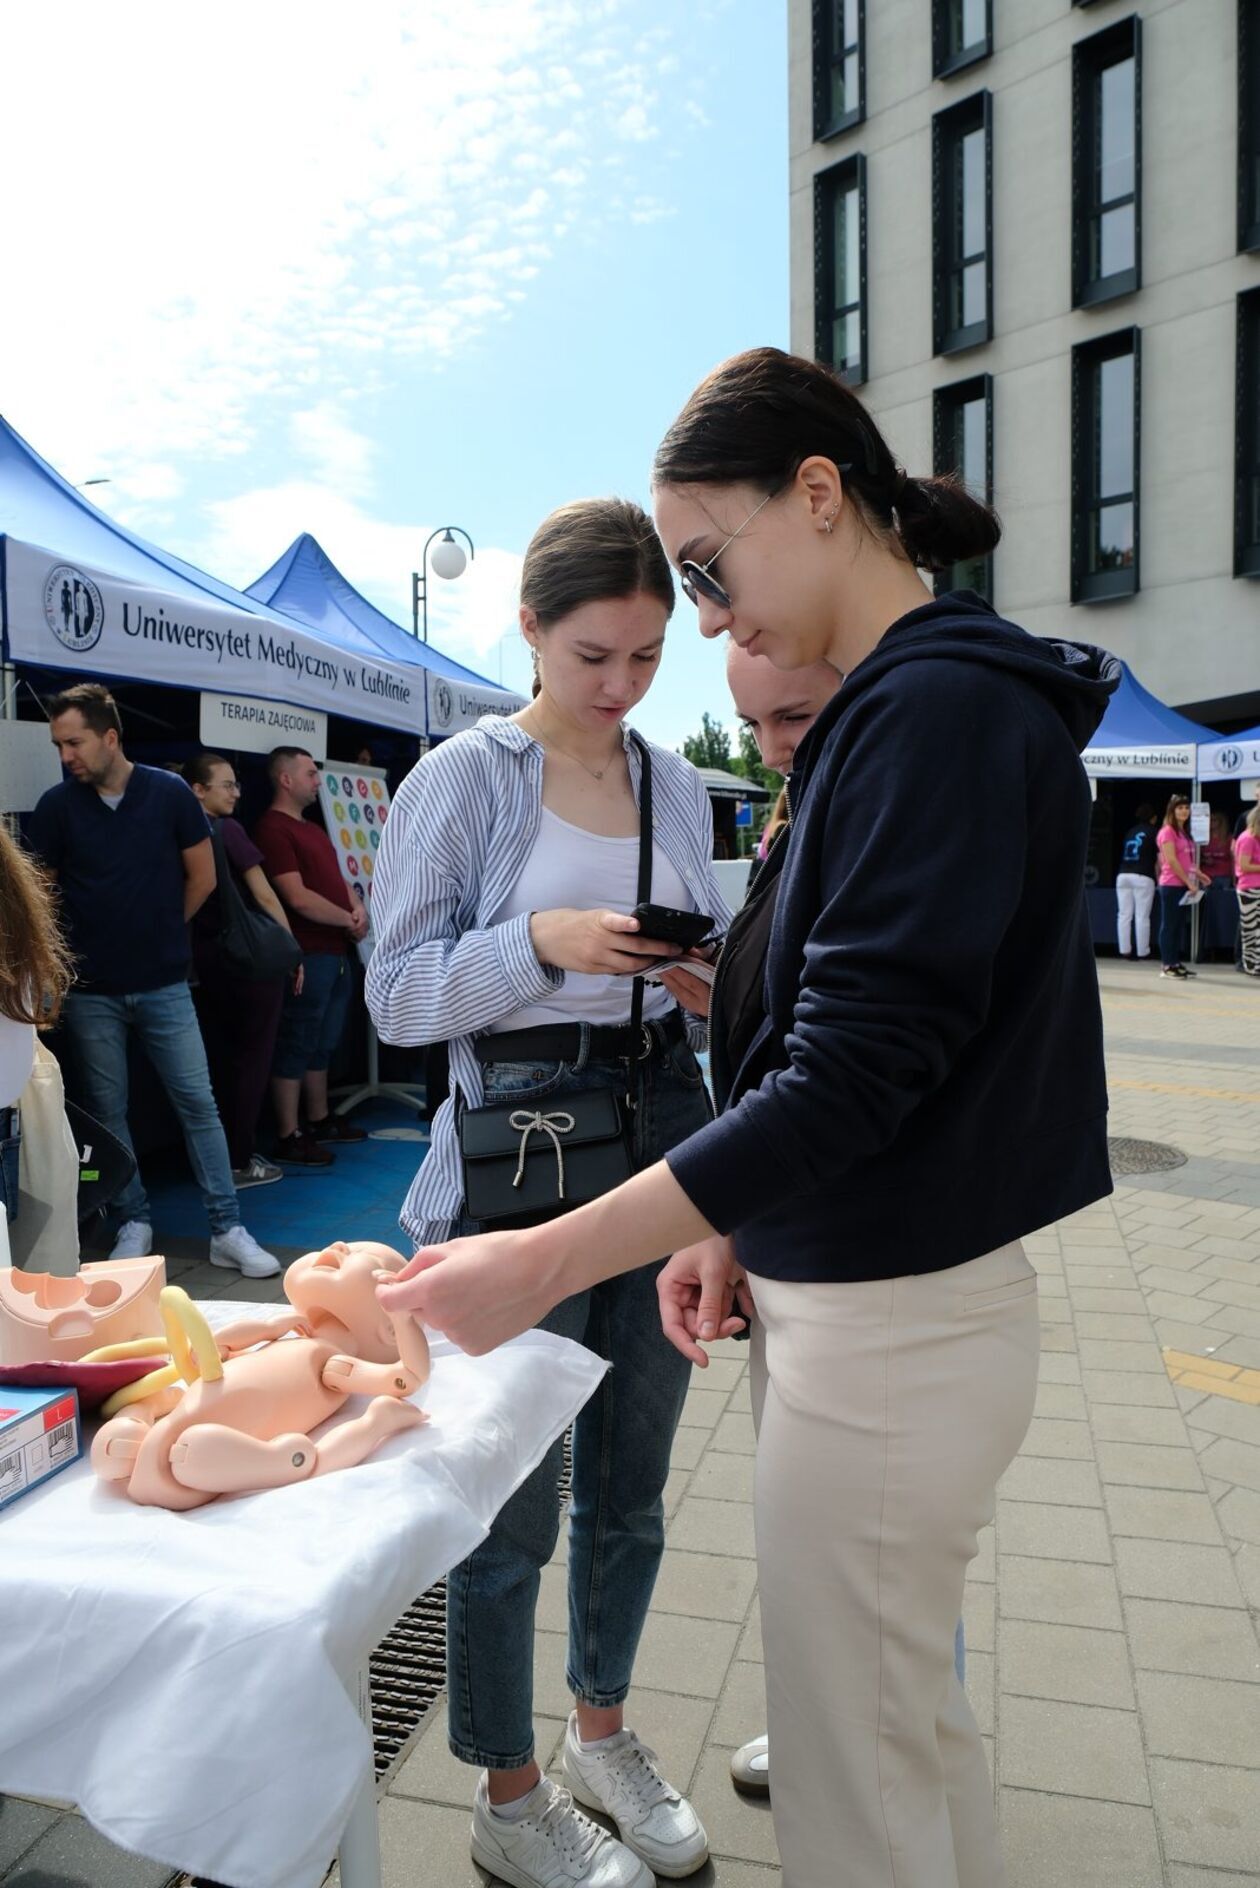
[
  {"x": 134, "y": 1240},
  {"x": 652, "y": 1818},
  {"x": 750, "y": 1766},
  {"x": 259, "y": 1173},
  {"x": 239, "y": 1251},
  {"x": 552, "y": 1846}
]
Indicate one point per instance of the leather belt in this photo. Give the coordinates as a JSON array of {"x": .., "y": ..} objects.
[{"x": 562, "y": 1042}]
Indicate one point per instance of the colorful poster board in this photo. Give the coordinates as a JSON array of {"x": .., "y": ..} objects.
[{"x": 355, "y": 803}]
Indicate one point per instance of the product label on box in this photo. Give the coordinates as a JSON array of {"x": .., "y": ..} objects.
[{"x": 39, "y": 1433}]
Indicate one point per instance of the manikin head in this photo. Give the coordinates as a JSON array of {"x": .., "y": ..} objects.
[
  {"x": 340, "y": 1282},
  {"x": 86, "y": 731},
  {"x": 596, "y": 595}
]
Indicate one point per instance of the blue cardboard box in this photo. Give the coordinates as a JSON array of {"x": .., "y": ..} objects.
[{"x": 40, "y": 1433}]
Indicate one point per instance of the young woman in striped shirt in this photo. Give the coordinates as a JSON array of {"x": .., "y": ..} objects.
[{"x": 501, "y": 908}]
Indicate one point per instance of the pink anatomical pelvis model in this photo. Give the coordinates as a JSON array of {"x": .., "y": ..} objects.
[{"x": 234, "y": 1410}]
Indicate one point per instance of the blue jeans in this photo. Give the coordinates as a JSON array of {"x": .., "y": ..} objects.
[
  {"x": 621, "y": 1449},
  {"x": 1172, "y": 919},
  {"x": 165, "y": 1024}
]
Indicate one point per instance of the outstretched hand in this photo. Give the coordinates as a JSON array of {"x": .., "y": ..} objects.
[
  {"x": 699, "y": 1289},
  {"x": 479, "y": 1292}
]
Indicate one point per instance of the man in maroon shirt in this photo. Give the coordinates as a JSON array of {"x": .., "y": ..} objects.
[{"x": 302, "y": 865}]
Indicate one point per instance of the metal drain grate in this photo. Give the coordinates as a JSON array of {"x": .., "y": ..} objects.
[
  {"x": 408, "y": 1672},
  {"x": 408, "y": 1667},
  {"x": 1143, "y": 1156}
]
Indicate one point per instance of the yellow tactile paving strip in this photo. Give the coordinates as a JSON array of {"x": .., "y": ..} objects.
[
  {"x": 1186, "y": 1088},
  {"x": 1216, "y": 1379}
]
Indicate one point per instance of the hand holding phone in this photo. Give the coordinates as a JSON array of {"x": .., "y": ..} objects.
[{"x": 667, "y": 926}]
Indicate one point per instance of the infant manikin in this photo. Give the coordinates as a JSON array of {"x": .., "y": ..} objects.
[{"x": 234, "y": 1410}]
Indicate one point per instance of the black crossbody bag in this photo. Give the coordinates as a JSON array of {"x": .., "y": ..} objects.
[
  {"x": 528, "y": 1161},
  {"x": 252, "y": 946}
]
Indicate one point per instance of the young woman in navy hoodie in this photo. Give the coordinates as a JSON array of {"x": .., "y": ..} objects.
[{"x": 927, "y": 1088}]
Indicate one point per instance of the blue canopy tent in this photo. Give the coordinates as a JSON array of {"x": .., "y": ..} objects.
[
  {"x": 306, "y": 585},
  {"x": 1140, "y": 738},
  {"x": 80, "y": 592}
]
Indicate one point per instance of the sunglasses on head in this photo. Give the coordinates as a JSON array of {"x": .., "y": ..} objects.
[{"x": 698, "y": 581}]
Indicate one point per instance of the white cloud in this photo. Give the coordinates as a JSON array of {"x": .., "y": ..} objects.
[
  {"x": 228, "y": 224},
  {"x": 468, "y": 617}
]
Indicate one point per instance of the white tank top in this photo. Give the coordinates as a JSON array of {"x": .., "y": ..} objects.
[{"x": 571, "y": 868}]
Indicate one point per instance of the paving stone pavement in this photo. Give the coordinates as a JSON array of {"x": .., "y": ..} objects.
[{"x": 1111, "y": 1613}]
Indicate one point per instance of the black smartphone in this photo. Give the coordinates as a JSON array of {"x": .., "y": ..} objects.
[{"x": 686, "y": 928}]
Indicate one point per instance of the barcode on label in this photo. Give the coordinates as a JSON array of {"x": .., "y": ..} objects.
[
  {"x": 61, "y": 1441},
  {"x": 11, "y": 1473}
]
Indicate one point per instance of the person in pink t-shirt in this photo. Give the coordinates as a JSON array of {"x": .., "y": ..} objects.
[
  {"x": 1178, "y": 874},
  {"x": 1247, "y": 878}
]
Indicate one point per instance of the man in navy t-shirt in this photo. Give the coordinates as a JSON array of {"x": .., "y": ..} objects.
[{"x": 131, "y": 852}]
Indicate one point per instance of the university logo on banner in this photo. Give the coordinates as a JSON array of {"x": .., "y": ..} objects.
[
  {"x": 443, "y": 704},
  {"x": 1230, "y": 760},
  {"x": 73, "y": 608}
]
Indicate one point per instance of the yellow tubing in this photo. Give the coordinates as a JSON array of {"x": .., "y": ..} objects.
[
  {"x": 136, "y": 1392},
  {"x": 118, "y": 1353},
  {"x": 190, "y": 1338}
]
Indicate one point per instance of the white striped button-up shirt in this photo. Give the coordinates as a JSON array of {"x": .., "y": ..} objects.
[{"x": 455, "y": 843}]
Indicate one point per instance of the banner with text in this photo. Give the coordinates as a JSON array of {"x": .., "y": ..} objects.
[
  {"x": 70, "y": 616},
  {"x": 251, "y": 726},
  {"x": 454, "y": 705},
  {"x": 1161, "y": 763},
  {"x": 1238, "y": 758}
]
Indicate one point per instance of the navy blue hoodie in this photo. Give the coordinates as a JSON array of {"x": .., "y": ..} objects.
[{"x": 929, "y": 1081}]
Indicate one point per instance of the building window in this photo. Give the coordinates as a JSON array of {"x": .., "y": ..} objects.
[
  {"x": 962, "y": 32},
  {"x": 962, "y": 224},
  {"x": 1107, "y": 164},
  {"x": 840, "y": 268},
  {"x": 1106, "y": 408},
  {"x": 962, "y": 442},
  {"x": 839, "y": 66},
  {"x": 1249, "y": 124},
  {"x": 1247, "y": 439}
]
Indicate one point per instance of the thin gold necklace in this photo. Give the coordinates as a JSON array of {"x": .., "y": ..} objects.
[{"x": 596, "y": 773}]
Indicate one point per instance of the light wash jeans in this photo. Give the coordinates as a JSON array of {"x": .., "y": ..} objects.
[
  {"x": 165, "y": 1024},
  {"x": 621, "y": 1449}
]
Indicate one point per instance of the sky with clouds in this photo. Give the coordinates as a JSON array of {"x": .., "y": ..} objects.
[{"x": 366, "y": 271}]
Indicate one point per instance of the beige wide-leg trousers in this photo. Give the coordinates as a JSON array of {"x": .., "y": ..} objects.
[{"x": 886, "y": 1412}]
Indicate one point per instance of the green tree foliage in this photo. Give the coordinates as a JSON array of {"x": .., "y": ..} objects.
[{"x": 711, "y": 747}]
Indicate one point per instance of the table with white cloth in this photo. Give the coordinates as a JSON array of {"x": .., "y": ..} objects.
[{"x": 190, "y": 1680}]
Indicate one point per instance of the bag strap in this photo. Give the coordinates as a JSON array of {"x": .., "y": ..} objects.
[
  {"x": 643, "y": 895},
  {"x": 232, "y": 908}
]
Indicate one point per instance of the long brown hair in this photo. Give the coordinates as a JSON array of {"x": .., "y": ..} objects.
[
  {"x": 35, "y": 965},
  {"x": 1170, "y": 811},
  {"x": 592, "y": 551}
]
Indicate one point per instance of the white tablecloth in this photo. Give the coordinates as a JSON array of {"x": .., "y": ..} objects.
[{"x": 182, "y": 1677}]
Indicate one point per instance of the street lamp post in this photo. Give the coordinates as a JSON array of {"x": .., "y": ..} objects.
[{"x": 448, "y": 561}]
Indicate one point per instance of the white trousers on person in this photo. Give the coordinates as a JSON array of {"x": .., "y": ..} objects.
[
  {"x": 886, "y": 1412},
  {"x": 1135, "y": 895}
]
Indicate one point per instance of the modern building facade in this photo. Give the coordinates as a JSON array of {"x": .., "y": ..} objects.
[{"x": 1029, "y": 232}]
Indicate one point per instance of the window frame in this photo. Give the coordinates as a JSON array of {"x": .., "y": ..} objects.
[
  {"x": 850, "y": 172},
  {"x": 1246, "y": 430},
  {"x": 825, "y": 126},
  {"x": 1248, "y": 126},
  {"x": 945, "y": 63},
  {"x": 1089, "y": 61},
  {"x": 946, "y": 401},
  {"x": 948, "y": 127},
  {"x": 1107, "y": 585}
]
